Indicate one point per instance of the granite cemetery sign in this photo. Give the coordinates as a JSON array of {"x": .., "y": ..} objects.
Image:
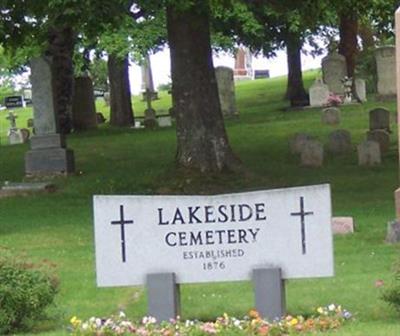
[{"x": 230, "y": 237}]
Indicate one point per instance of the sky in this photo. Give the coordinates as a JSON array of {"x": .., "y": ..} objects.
[{"x": 160, "y": 63}]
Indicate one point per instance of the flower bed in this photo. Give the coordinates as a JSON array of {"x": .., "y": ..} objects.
[{"x": 325, "y": 318}]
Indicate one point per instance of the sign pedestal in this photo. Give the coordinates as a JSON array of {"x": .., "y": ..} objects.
[
  {"x": 269, "y": 292},
  {"x": 163, "y": 294}
]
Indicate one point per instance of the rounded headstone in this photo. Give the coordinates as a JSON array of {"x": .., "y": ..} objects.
[
  {"x": 333, "y": 71},
  {"x": 380, "y": 136},
  {"x": 297, "y": 142},
  {"x": 369, "y": 153},
  {"x": 331, "y": 116},
  {"x": 312, "y": 154},
  {"x": 339, "y": 141},
  {"x": 379, "y": 118},
  {"x": 25, "y": 134}
]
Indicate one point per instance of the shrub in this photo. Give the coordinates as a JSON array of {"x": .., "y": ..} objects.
[
  {"x": 392, "y": 294},
  {"x": 26, "y": 290},
  {"x": 165, "y": 87}
]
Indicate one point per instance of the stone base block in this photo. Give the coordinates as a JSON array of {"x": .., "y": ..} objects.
[
  {"x": 153, "y": 96},
  {"x": 47, "y": 141},
  {"x": 49, "y": 161}
]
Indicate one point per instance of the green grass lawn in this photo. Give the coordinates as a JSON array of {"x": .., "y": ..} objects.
[{"x": 59, "y": 226}]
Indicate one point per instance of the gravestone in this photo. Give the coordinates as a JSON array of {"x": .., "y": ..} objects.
[
  {"x": 369, "y": 153},
  {"x": 312, "y": 154},
  {"x": 48, "y": 154},
  {"x": 386, "y": 71},
  {"x": 172, "y": 240},
  {"x": 393, "y": 232},
  {"x": 333, "y": 71},
  {"x": 243, "y": 64},
  {"x": 14, "y": 134},
  {"x": 339, "y": 142},
  {"x": 319, "y": 93},
  {"x": 150, "y": 118},
  {"x": 147, "y": 80},
  {"x": 380, "y": 136},
  {"x": 342, "y": 225},
  {"x": 379, "y": 118},
  {"x": 106, "y": 98},
  {"x": 27, "y": 96},
  {"x": 83, "y": 105},
  {"x": 330, "y": 116},
  {"x": 361, "y": 89},
  {"x": 164, "y": 121},
  {"x": 297, "y": 142},
  {"x": 25, "y": 134},
  {"x": 29, "y": 123},
  {"x": 226, "y": 90},
  {"x": 11, "y": 189}
]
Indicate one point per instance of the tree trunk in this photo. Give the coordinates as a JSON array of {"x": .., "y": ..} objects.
[
  {"x": 61, "y": 48},
  {"x": 202, "y": 142},
  {"x": 295, "y": 91},
  {"x": 348, "y": 30},
  {"x": 121, "y": 112},
  {"x": 366, "y": 35},
  {"x": 83, "y": 105}
]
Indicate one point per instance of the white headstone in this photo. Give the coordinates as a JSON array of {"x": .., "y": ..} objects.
[
  {"x": 164, "y": 121},
  {"x": 386, "y": 70},
  {"x": 213, "y": 238},
  {"x": 361, "y": 89},
  {"x": 319, "y": 93},
  {"x": 15, "y": 136}
]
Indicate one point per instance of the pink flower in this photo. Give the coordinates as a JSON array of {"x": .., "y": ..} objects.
[{"x": 208, "y": 328}]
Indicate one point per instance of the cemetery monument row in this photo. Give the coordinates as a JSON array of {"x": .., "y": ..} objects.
[{"x": 166, "y": 240}]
